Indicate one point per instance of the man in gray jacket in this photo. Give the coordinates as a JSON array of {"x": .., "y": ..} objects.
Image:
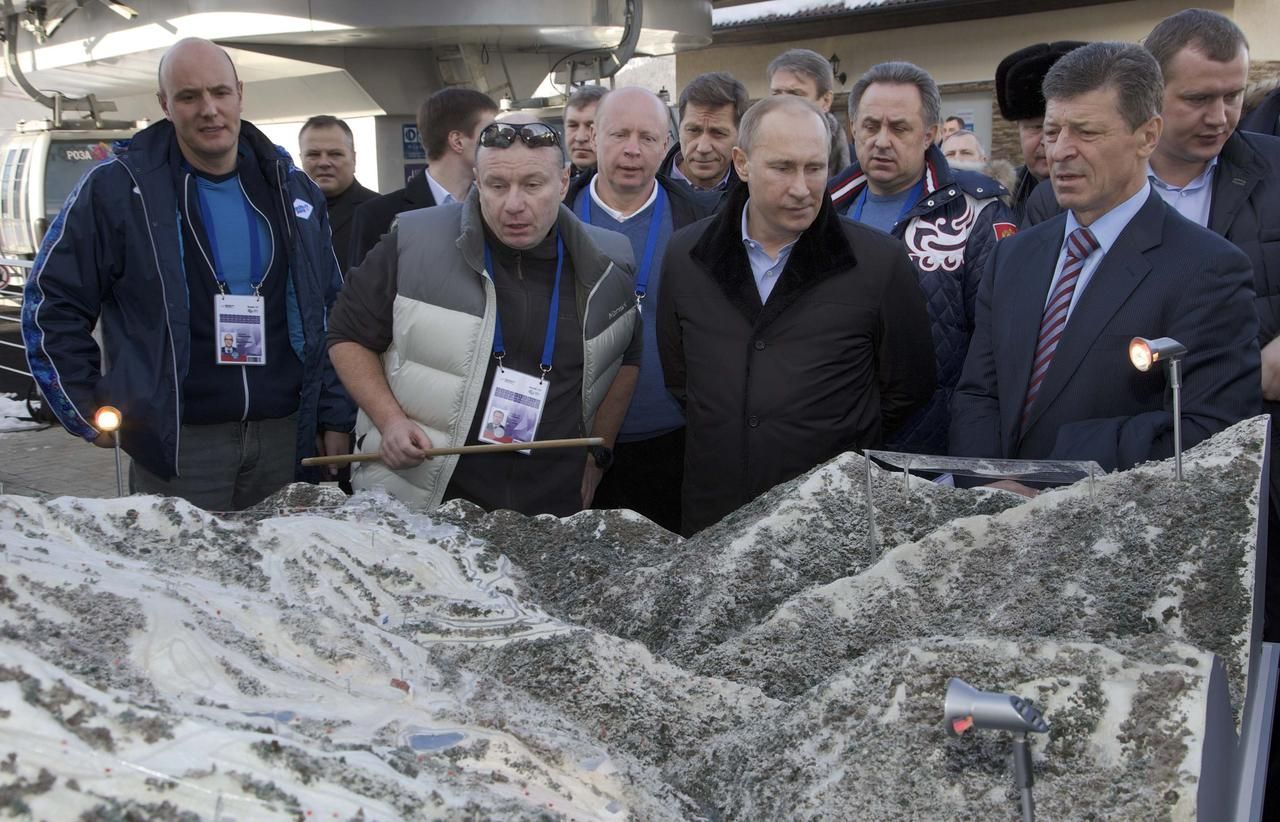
[{"x": 506, "y": 303}]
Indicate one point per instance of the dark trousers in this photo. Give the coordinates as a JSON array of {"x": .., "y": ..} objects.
[
  {"x": 646, "y": 477},
  {"x": 227, "y": 466}
]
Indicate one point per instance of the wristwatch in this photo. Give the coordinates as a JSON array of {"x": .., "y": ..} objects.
[{"x": 603, "y": 456}]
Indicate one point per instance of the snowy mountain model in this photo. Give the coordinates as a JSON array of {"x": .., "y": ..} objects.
[{"x": 319, "y": 658}]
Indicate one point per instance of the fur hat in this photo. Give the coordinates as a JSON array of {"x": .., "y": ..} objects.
[{"x": 1020, "y": 75}]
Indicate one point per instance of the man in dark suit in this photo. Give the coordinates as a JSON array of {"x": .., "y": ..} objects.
[
  {"x": 1048, "y": 374},
  {"x": 329, "y": 157},
  {"x": 449, "y": 122}
]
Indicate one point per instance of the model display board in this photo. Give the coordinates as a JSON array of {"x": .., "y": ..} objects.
[{"x": 329, "y": 659}]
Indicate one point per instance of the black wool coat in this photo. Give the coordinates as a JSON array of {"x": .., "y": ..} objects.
[{"x": 838, "y": 356}]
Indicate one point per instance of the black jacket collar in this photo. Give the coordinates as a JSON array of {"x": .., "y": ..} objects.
[{"x": 821, "y": 251}]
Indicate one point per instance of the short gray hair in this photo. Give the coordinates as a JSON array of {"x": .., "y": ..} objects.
[
  {"x": 765, "y": 106},
  {"x": 1129, "y": 69},
  {"x": 713, "y": 90},
  {"x": 805, "y": 62},
  {"x": 586, "y": 96},
  {"x": 899, "y": 72}
]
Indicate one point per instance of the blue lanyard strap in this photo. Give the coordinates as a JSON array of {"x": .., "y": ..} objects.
[
  {"x": 256, "y": 274},
  {"x": 650, "y": 242},
  {"x": 549, "y": 343},
  {"x": 913, "y": 197}
]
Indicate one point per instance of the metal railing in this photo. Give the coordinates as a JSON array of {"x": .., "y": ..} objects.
[{"x": 13, "y": 277}]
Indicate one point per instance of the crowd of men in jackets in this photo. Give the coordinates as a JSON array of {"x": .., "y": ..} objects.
[{"x": 725, "y": 310}]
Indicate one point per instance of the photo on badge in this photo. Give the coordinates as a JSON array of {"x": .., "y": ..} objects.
[
  {"x": 515, "y": 403},
  {"x": 239, "y": 331}
]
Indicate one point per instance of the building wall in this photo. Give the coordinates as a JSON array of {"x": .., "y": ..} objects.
[{"x": 963, "y": 56}]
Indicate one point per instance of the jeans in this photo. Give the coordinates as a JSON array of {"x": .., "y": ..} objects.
[{"x": 227, "y": 466}]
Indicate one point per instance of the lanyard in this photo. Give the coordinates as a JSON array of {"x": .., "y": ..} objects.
[
  {"x": 549, "y": 343},
  {"x": 650, "y": 243},
  {"x": 256, "y": 274},
  {"x": 913, "y": 197}
]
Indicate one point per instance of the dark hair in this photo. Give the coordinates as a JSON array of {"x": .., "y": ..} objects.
[
  {"x": 957, "y": 118},
  {"x": 900, "y": 73},
  {"x": 715, "y": 89},
  {"x": 326, "y": 121},
  {"x": 1129, "y": 69},
  {"x": 450, "y": 109},
  {"x": 585, "y": 96},
  {"x": 1206, "y": 31},
  {"x": 806, "y": 62}
]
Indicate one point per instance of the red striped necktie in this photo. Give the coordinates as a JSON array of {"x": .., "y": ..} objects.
[{"x": 1080, "y": 244}]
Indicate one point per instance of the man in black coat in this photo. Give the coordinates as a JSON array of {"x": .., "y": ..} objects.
[
  {"x": 329, "y": 157},
  {"x": 1048, "y": 374},
  {"x": 449, "y": 122},
  {"x": 789, "y": 334}
]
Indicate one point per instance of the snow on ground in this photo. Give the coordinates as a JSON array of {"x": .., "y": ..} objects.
[{"x": 14, "y": 415}]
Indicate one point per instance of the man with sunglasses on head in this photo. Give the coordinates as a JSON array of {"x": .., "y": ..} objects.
[{"x": 502, "y": 302}]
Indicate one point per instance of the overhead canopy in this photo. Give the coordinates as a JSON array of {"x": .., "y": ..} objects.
[{"x": 346, "y": 56}]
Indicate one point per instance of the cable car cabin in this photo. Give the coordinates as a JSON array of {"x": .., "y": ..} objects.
[{"x": 39, "y": 167}]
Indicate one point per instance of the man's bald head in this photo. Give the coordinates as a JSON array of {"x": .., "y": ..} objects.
[
  {"x": 202, "y": 97},
  {"x": 631, "y": 99},
  {"x": 191, "y": 48}
]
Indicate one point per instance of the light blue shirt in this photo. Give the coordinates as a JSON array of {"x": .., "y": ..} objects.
[
  {"x": 765, "y": 269},
  {"x": 1106, "y": 229},
  {"x": 439, "y": 192},
  {"x": 1193, "y": 200}
]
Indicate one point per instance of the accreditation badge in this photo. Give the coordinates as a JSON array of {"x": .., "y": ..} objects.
[
  {"x": 515, "y": 407},
  {"x": 239, "y": 329}
]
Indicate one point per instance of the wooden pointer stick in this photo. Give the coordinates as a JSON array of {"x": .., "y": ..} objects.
[{"x": 346, "y": 459}]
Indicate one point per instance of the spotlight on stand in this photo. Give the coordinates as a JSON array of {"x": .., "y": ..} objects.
[
  {"x": 966, "y": 707},
  {"x": 1144, "y": 353},
  {"x": 108, "y": 420}
]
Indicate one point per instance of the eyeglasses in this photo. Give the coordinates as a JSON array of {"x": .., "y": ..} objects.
[{"x": 534, "y": 135}]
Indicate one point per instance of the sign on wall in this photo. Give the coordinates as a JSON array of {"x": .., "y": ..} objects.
[{"x": 413, "y": 149}]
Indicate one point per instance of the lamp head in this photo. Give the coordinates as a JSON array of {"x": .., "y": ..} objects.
[
  {"x": 966, "y": 707},
  {"x": 108, "y": 419},
  {"x": 1144, "y": 353}
]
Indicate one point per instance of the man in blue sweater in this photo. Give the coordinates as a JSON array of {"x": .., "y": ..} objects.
[
  {"x": 628, "y": 195},
  {"x": 205, "y": 254}
]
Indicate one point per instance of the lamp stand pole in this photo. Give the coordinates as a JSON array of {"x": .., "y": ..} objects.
[
  {"x": 1175, "y": 382},
  {"x": 1022, "y": 775},
  {"x": 119, "y": 479}
]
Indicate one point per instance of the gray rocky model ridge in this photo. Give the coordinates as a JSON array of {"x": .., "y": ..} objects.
[{"x": 320, "y": 658}]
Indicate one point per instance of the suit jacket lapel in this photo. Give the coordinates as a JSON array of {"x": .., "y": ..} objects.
[
  {"x": 1028, "y": 290},
  {"x": 1233, "y": 181},
  {"x": 1116, "y": 277}
]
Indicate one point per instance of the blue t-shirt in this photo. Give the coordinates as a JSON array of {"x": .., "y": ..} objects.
[
  {"x": 653, "y": 410},
  {"x": 233, "y": 251},
  {"x": 882, "y": 211}
]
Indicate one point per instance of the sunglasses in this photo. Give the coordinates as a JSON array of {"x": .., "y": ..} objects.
[{"x": 534, "y": 135}]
